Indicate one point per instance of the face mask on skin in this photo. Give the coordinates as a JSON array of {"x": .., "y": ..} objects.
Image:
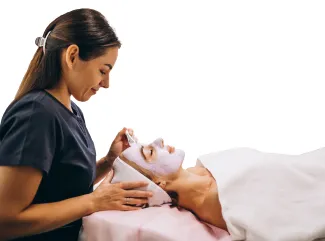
[{"x": 158, "y": 159}]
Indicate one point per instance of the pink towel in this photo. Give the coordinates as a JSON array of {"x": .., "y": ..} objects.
[{"x": 154, "y": 223}]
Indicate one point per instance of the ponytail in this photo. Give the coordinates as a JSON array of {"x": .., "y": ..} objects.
[{"x": 29, "y": 81}]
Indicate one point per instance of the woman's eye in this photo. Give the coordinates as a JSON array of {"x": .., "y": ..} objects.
[
  {"x": 151, "y": 152},
  {"x": 102, "y": 72}
]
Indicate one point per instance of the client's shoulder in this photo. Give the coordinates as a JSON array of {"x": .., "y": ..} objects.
[{"x": 201, "y": 171}]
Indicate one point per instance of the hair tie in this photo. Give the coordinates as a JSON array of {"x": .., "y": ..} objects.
[{"x": 41, "y": 41}]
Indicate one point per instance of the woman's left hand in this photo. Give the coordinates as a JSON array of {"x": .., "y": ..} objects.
[{"x": 119, "y": 144}]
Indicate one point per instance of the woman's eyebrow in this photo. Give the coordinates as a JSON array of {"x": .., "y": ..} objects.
[{"x": 109, "y": 66}]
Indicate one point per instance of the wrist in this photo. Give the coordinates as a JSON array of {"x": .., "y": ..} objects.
[
  {"x": 106, "y": 163},
  {"x": 110, "y": 157},
  {"x": 91, "y": 207}
]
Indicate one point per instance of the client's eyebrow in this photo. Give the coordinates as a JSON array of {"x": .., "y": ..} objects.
[
  {"x": 142, "y": 153},
  {"x": 109, "y": 66}
]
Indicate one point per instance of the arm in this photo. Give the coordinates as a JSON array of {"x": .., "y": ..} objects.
[
  {"x": 119, "y": 144},
  {"x": 103, "y": 166},
  {"x": 19, "y": 218}
]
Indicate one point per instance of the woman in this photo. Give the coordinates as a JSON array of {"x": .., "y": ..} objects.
[
  {"x": 194, "y": 189},
  {"x": 47, "y": 157}
]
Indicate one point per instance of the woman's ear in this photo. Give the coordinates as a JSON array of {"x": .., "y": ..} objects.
[{"x": 71, "y": 55}]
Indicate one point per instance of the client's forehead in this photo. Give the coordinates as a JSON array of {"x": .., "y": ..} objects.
[{"x": 133, "y": 152}]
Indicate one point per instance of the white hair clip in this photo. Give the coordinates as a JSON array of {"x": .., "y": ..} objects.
[{"x": 41, "y": 41}]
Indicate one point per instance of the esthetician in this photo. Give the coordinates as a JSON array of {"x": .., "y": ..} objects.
[{"x": 47, "y": 158}]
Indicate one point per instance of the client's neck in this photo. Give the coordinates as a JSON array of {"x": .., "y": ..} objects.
[
  {"x": 175, "y": 183},
  {"x": 191, "y": 189}
]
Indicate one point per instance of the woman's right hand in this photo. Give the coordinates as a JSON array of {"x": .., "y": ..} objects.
[{"x": 118, "y": 196}]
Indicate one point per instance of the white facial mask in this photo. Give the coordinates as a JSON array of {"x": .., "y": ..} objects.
[{"x": 165, "y": 163}]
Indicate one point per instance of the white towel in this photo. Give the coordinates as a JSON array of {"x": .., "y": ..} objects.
[
  {"x": 125, "y": 173},
  {"x": 270, "y": 197}
]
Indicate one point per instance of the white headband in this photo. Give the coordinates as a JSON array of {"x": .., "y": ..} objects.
[{"x": 41, "y": 41}]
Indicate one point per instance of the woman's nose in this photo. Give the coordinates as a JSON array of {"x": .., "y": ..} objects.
[{"x": 104, "y": 83}]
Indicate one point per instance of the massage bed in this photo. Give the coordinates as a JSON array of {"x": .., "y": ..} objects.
[{"x": 264, "y": 197}]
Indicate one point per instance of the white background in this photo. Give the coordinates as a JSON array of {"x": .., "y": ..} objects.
[{"x": 204, "y": 75}]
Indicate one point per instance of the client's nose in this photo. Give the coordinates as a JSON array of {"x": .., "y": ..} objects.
[
  {"x": 170, "y": 149},
  {"x": 159, "y": 142}
]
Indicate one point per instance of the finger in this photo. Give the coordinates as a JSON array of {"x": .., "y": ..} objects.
[
  {"x": 132, "y": 185},
  {"x": 120, "y": 134},
  {"x": 109, "y": 176},
  {"x": 130, "y": 131},
  {"x": 125, "y": 140},
  {"x": 125, "y": 143},
  {"x": 130, "y": 208},
  {"x": 135, "y": 201},
  {"x": 138, "y": 194}
]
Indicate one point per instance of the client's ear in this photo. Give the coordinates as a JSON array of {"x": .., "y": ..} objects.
[{"x": 161, "y": 183}]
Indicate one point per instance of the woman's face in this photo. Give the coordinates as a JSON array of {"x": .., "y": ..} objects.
[
  {"x": 85, "y": 78},
  {"x": 158, "y": 158}
]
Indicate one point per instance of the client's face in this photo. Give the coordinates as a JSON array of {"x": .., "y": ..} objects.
[{"x": 156, "y": 157}]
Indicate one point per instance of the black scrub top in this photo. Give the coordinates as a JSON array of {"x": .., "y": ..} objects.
[{"x": 40, "y": 132}]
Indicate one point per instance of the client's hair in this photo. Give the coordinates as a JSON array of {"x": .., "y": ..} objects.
[{"x": 173, "y": 195}]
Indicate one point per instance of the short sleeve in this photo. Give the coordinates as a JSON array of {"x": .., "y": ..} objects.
[{"x": 28, "y": 136}]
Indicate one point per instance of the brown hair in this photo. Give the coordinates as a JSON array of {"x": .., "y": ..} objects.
[
  {"x": 84, "y": 27},
  {"x": 173, "y": 195}
]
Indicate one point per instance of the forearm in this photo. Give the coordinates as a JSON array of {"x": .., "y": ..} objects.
[
  {"x": 103, "y": 166},
  {"x": 41, "y": 218}
]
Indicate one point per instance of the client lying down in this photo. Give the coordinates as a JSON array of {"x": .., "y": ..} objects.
[
  {"x": 251, "y": 194},
  {"x": 193, "y": 189}
]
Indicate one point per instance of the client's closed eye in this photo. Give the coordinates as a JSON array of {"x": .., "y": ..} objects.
[{"x": 148, "y": 152}]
